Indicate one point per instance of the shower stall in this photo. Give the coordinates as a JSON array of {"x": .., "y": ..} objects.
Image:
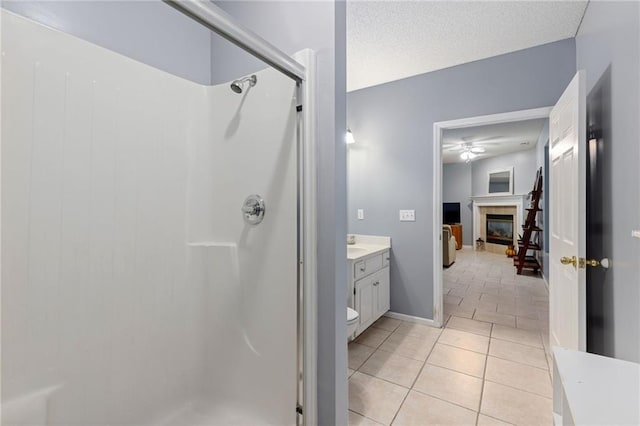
[{"x": 158, "y": 260}]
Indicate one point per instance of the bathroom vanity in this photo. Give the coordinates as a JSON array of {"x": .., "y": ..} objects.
[{"x": 368, "y": 285}]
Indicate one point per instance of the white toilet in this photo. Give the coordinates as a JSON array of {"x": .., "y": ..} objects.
[{"x": 352, "y": 322}]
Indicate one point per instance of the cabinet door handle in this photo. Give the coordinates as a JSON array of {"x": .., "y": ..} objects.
[{"x": 362, "y": 269}]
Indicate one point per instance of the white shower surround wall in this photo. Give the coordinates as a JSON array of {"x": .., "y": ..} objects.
[
  {"x": 516, "y": 201},
  {"x": 131, "y": 289}
]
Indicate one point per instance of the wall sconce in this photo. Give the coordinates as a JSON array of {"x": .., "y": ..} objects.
[{"x": 348, "y": 138}]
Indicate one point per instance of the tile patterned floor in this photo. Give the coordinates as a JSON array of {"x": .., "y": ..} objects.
[{"x": 488, "y": 366}]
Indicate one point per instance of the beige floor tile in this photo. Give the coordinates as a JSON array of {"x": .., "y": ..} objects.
[
  {"x": 484, "y": 420},
  {"x": 507, "y": 291},
  {"x": 530, "y": 324},
  {"x": 386, "y": 323},
  {"x": 459, "y": 311},
  {"x": 511, "y": 334},
  {"x": 458, "y": 291},
  {"x": 491, "y": 289},
  {"x": 478, "y": 305},
  {"x": 457, "y": 359},
  {"x": 454, "y": 300},
  {"x": 545, "y": 342},
  {"x": 494, "y": 298},
  {"x": 356, "y": 419},
  {"x": 407, "y": 346},
  {"x": 520, "y": 376},
  {"x": 519, "y": 353},
  {"x": 472, "y": 296},
  {"x": 495, "y": 318},
  {"x": 375, "y": 398},
  {"x": 350, "y": 372},
  {"x": 516, "y": 310},
  {"x": 419, "y": 331},
  {"x": 471, "y": 326},
  {"x": 358, "y": 354},
  {"x": 543, "y": 315},
  {"x": 373, "y": 337},
  {"x": 420, "y": 410},
  {"x": 464, "y": 340},
  {"x": 515, "y": 406},
  {"x": 450, "y": 385},
  {"x": 541, "y": 299},
  {"x": 393, "y": 368}
]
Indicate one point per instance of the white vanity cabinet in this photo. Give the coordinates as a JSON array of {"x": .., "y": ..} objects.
[{"x": 370, "y": 288}]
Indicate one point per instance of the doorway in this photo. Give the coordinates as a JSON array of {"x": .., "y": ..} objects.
[{"x": 440, "y": 129}]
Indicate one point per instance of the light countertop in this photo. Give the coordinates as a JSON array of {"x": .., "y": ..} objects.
[{"x": 367, "y": 245}]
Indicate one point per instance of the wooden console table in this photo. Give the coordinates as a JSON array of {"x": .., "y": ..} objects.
[{"x": 457, "y": 234}]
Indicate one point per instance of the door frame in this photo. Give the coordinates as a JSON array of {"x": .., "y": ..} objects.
[{"x": 438, "y": 130}]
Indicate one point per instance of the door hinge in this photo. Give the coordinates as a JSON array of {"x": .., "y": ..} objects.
[
  {"x": 298, "y": 108},
  {"x": 299, "y": 409},
  {"x": 354, "y": 291}
]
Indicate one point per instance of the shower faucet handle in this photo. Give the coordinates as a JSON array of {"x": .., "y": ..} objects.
[{"x": 253, "y": 209}]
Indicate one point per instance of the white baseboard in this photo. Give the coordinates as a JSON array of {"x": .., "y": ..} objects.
[{"x": 411, "y": 318}]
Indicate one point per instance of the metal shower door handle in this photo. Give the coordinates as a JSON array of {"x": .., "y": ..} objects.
[{"x": 253, "y": 209}]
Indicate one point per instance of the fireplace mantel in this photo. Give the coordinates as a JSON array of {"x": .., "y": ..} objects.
[
  {"x": 501, "y": 199},
  {"x": 515, "y": 200}
]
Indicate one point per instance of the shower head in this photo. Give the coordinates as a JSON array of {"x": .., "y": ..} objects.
[{"x": 237, "y": 85}]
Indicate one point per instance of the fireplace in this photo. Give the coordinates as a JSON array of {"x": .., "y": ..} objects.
[{"x": 500, "y": 229}]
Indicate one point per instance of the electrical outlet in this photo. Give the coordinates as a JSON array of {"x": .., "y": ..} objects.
[
  {"x": 360, "y": 214},
  {"x": 407, "y": 215}
]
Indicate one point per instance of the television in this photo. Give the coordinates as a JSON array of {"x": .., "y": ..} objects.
[{"x": 450, "y": 213}]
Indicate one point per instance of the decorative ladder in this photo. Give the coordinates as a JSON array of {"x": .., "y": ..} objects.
[{"x": 522, "y": 259}]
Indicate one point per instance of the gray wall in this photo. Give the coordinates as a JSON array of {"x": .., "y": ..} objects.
[
  {"x": 608, "y": 48},
  {"x": 456, "y": 188},
  {"x": 320, "y": 26},
  {"x": 524, "y": 171},
  {"x": 393, "y": 124},
  {"x": 147, "y": 31}
]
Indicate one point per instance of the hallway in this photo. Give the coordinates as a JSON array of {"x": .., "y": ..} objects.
[{"x": 488, "y": 366}]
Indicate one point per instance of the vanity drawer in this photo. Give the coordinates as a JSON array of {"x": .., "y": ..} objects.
[
  {"x": 367, "y": 266},
  {"x": 359, "y": 269}
]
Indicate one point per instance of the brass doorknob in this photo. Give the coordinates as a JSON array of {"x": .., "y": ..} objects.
[
  {"x": 594, "y": 263},
  {"x": 569, "y": 260}
]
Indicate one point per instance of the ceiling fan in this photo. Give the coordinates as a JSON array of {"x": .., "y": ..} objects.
[
  {"x": 470, "y": 148},
  {"x": 468, "y": 142}
]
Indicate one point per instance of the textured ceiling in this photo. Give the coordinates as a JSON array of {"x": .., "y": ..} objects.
[
  {"x": 496, "y": 139},
  {"x": 390, "y": 40}
]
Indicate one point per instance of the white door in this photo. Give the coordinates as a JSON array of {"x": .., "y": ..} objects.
[{"x": 567, "y": 192}]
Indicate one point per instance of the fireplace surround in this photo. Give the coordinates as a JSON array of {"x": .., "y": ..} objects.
[{"x": 497, "y": 205}]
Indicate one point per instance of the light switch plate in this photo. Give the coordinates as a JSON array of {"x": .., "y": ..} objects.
[
  {"x": 407, "y": 215},
  {"x": 360, "y": 214}
]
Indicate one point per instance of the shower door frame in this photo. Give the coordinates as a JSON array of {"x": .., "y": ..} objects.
[{"x": 301, "y": 67}]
